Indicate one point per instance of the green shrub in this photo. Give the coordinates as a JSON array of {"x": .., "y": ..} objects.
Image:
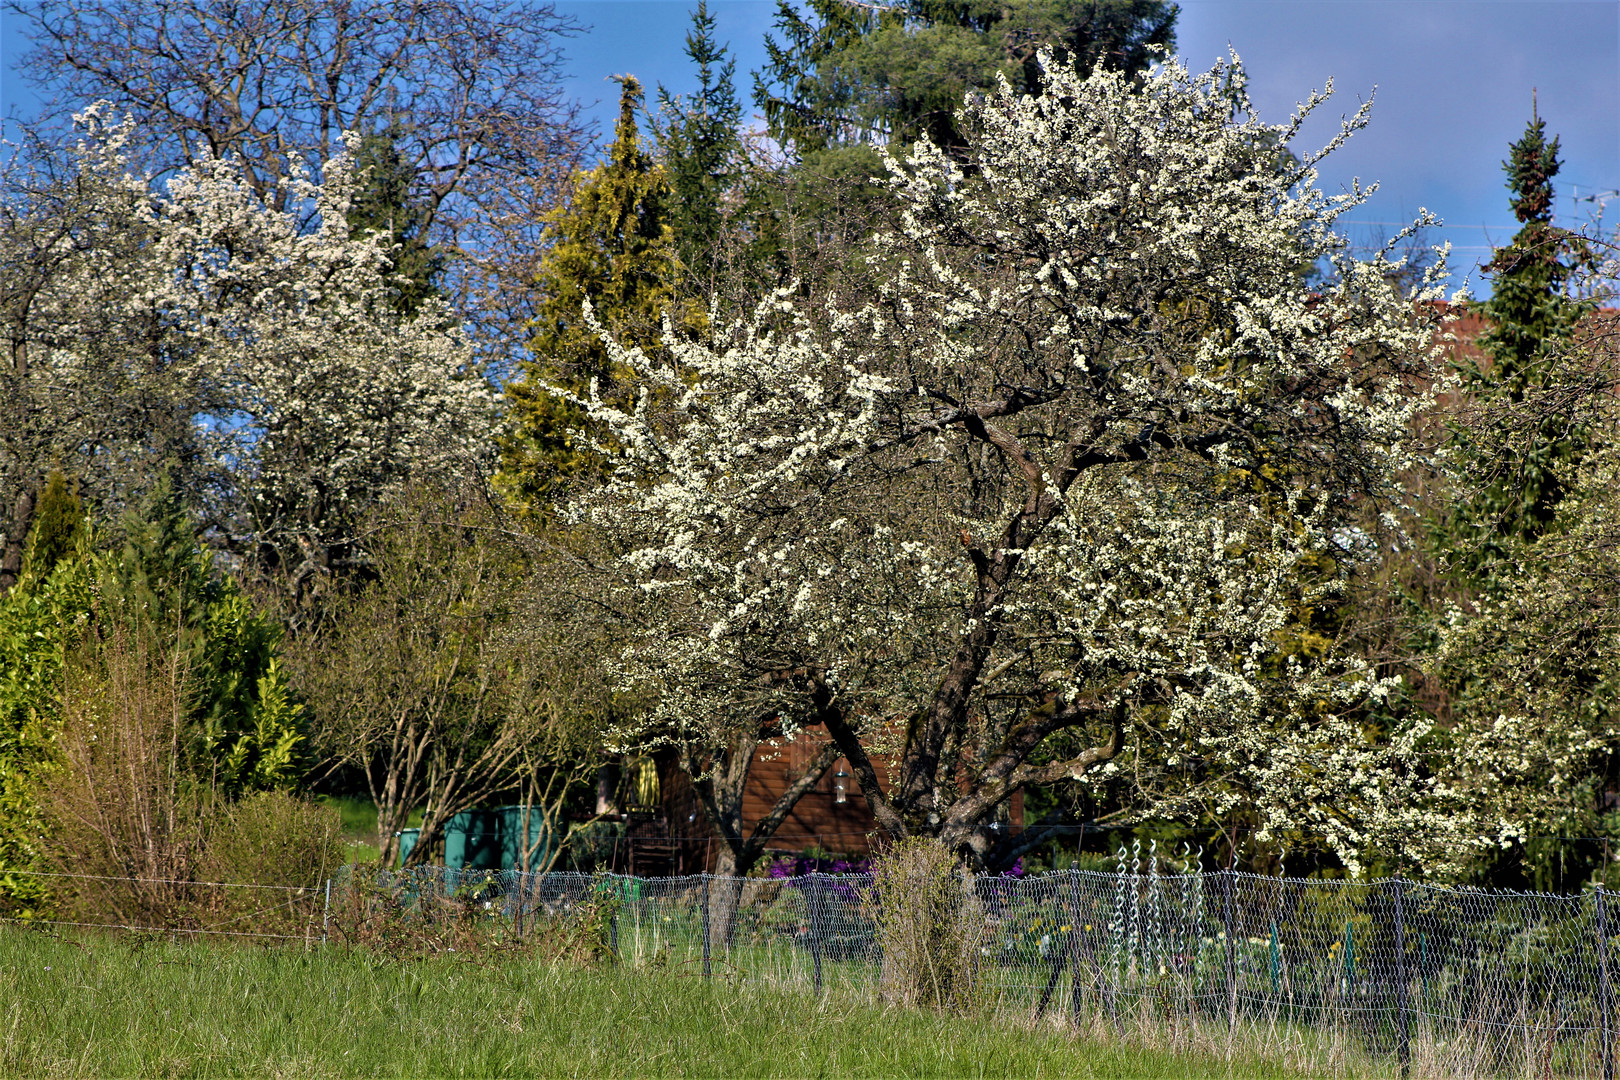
[{"x": 138, "y": 688}]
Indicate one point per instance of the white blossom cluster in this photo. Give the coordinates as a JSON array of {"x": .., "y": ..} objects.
[
  {"x": 1069, "y": 455},
  {"x": 196, "y": 324}
]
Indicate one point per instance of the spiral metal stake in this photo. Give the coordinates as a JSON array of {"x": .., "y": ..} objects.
[
  {"x": 1154, "y": 945},
  {"x": 1116, "y": 924},
  {"x": 1229, "y": 880},
  {"x": 1133, "y": 939}
]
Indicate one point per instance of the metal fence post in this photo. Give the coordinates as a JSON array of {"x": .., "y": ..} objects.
[
  {"x": 813, "y": 903},
  {"x": 705, "y": 925},
  {"x": 1423, "y": 969},
  {"x": 326, "y": 912},
  {"x": 1276, "y": 965},
  {"x": 1604, "y": 1005},
  {"x": 1227, "y": 900},
  {"x": 1075, "y": 991},
  {"x": 1051, "y": 982},
  {"x": 1404, "y": 1047}
]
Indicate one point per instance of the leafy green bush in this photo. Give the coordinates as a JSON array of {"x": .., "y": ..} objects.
[
  {"x": 172, "y": 673},
  {"x": 40, "y": 620}
]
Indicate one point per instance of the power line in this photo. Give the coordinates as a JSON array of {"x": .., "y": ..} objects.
[{"x": 1435, "y": 225}]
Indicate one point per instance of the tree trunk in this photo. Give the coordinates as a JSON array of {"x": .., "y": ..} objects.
[
  {"x": 607, "y": 788},
  {"x": 725, "y": 893},
  {"x": 722, "y": 797},
  {"x": 11, "y": 559}
]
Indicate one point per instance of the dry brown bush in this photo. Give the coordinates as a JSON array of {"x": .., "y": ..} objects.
[
  {"x": 929, "y": 923},
  {"x": 119, "y": 804},
  {"x": 405, "y": 916},
  {"x": 136, "y": 838},
  {"x": 272, "y": 838}
]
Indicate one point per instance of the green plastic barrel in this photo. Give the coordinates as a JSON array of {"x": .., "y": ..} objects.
[
  {"x": 472, "y": 841},
  {"x": 513, "y": 838},
  {"x": 407, "y": 840},
  {"x": 493, "y": 838}
]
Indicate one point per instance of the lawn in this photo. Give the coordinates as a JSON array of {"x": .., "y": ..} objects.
[
  {"x": 359, "y": 817},
  {"x": 132, "y": 1006}
]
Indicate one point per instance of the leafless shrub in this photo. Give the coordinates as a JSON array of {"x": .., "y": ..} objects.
[
  {"x": 928, "y": 923},
  {"x": 119, "y": 805},
  {"x": 272, "y": 838},
  {"x": 137, "y": 838},
  {"x": 405, "y": 917}
]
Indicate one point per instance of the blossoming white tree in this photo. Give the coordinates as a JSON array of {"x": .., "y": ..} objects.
[
  {"x": 200, "y": 325},
  {"x": 1034, "y": 507}
]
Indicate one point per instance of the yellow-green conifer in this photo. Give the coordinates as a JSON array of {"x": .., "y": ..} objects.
[{"x": 611, "y": 245}]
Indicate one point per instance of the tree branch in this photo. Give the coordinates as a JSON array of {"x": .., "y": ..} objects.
[
  {"x": 766, "y": 827},
  {"x": 832, "y": 717}
]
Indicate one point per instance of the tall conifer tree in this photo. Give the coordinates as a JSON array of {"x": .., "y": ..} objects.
[
  {"x": 699, "y": 143},
  {"x": 613, "y": 247},
  {"x": 845, "y": 73},
  {"x": 387, "y": 204},
  {"x": 1532, "y": 321},
  {"x": 58, "y": 525},
  {"x": 1528, "y": 654}
]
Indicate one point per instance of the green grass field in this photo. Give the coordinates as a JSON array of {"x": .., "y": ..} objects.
[
  {"x": 359, "y": 817},
  {"x": 142, "y": 1007}
]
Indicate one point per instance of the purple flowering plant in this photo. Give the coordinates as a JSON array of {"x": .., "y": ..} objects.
[{"x": 791, "y": 866}]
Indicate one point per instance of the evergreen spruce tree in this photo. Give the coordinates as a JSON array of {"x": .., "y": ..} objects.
[
  {"x": 612, "y": 246},
  {"x": 164, "y": 585},
  {"x": 58, "y": 525},
  {"x": 1525, "y": 649},
  {"x": 699, "y": 144},
  {"x": 1528, "y": 309},
  {"x": 385, "y": 204},
  {"x": 1532, "y": 320},
  {"x": 846, "y": 73},
  {"x": 161, "y": 576}
]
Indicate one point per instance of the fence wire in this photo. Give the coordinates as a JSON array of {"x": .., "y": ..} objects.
[{"x": 1332, "y": 975}]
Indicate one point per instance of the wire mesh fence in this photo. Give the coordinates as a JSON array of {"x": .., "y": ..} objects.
[
  {"x": 1386, "y": 975},
  {"x": 1367, "y": 977},
  {"x": 178, "y": 907}
]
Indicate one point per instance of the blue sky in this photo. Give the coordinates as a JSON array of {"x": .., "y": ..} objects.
[{"x": 1453, "y": 80}]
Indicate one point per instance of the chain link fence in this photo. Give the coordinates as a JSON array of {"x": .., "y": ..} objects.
[{"x": 1331, "y": 976}]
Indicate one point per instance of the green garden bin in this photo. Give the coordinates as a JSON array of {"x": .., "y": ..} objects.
[
  {"x": 407, "y": 841},
  {"x": 513, "y": 840},
  {"x": 493, "y": 838},
  {"x": 472, "y": 841}
]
